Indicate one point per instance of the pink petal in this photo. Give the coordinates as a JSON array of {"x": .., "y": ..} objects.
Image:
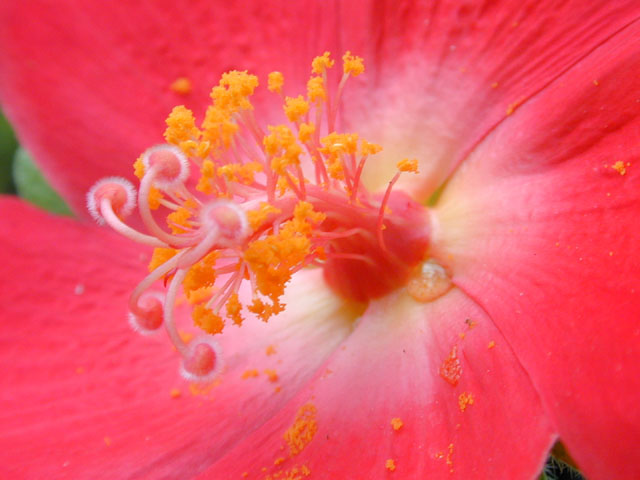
[
  {"x": 442, "y": 75},
  {"x": 542, "y": 231},
  {"x": 388, "y": 368},
  {"x": 82, "y": 396}
]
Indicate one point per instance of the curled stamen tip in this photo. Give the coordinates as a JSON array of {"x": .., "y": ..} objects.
[
  {"x": 149, "y": 317},
  {"x": 170, "y": 165},
  {"x": 120, "y": 193},
  {"x": 202, "y": 361},
  {"x": 228, "y": 219}
]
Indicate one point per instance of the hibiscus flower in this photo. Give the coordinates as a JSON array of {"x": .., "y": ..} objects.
[{"x": 525, "y": 120}]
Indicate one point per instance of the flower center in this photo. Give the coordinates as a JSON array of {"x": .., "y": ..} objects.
[{"x": 265, "y": 205}]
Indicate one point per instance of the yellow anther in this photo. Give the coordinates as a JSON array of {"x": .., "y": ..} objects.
[
  {"x": 352, "y": 65},
  {"x": 275, "y": 82},
  {"x": 159, "y": 256},
  {"x": 205, "y": 319},
  {"x": 295, "y": 108},
  {"x": 260, "y": 216},
  {"x": 337, "y": 143},
  {"x": 218, "y": 128},
  {"x": 155, "y": 196},
  {"x": 282, "y": 145},
  {"x": 178, "y": 221},
  {"x": 234, "y": 307},
  {"x": 306, "y": 131},
  {"x": 181, "y": 86},
  {"x": 233, "y": 92},
  {"x": 407, "y": 165},
  {"x": 315, "y": 89},
  {"x": 181, "y": 128},
  {"x": 240, "y": 173},
  {"x": 207, "y": 173},
  {"x": 321, "y": 63},
  {"x": 138, "y": 168},
  {"x": 367, "y": 148},
  {"x": 202, "y": 274}
]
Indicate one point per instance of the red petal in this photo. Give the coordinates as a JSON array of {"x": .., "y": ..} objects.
[
  {"x": 341, "y": 426},
  {"x": 542, "y": 231},
  {"x": 87, "y": 85},
  {"x": 82, "y": 396}
]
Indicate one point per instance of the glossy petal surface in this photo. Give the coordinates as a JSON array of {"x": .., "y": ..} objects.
[{"x": 541, "y": 229}]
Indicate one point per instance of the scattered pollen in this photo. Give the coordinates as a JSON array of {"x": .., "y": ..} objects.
[
  {"x": 107, "y": 441},
  {"x": 451, "y": 368},
  {"x": 300, "y": 434},
  {"x": 464, "y": 400},
  {"x": 271, "y": 350},
  {"x": 175, "y": 393},
  {"x": 252, "y": 373},
  {"x": 470, "y": 323},
  {"x": 491, "y": 344},
  {"x": 181, "y": 86},
  {"x": 514, "y": 106},
  {"x": 278, "y": 460},
  {"x": 494, "y": 85},
  {"x": 621, "y": 167},
  {"x": 273, "y": 376},
  {"x": 396, "y": 423},
  {"x": 390, "y": 464},
  {"x": 596, "y": 83}
]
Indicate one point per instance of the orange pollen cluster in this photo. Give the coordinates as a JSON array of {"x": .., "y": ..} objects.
[{"x": 261, "y": 205}]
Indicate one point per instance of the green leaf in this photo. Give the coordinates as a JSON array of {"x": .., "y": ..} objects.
[
  {"x": 32, "y": 186},
  {"x": 8, "y": 145}
]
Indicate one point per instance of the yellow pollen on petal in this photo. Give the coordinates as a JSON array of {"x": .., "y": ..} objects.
[
  {"x": 321, "y": 63},
  {"x": 250, "y": 374},
  {"x": 181, "y": 86},
  {"x": 275, "y": 82},
  {"x": 620, "y": 167},
  {"x": 305, "y": 426},
  {"x": 390, "y": 464},
  {"x": 271, "y": 374},
  {"x": 271, "y": 350},
  {"x": 464, "y": 400},
  {"x": 396, "y": 423},
  {"x": 352, "y": 65},
  {"x": 175, "y": 393},
  {"x": 407, "y": 165},
  {"x": 491, "y": 344}
]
